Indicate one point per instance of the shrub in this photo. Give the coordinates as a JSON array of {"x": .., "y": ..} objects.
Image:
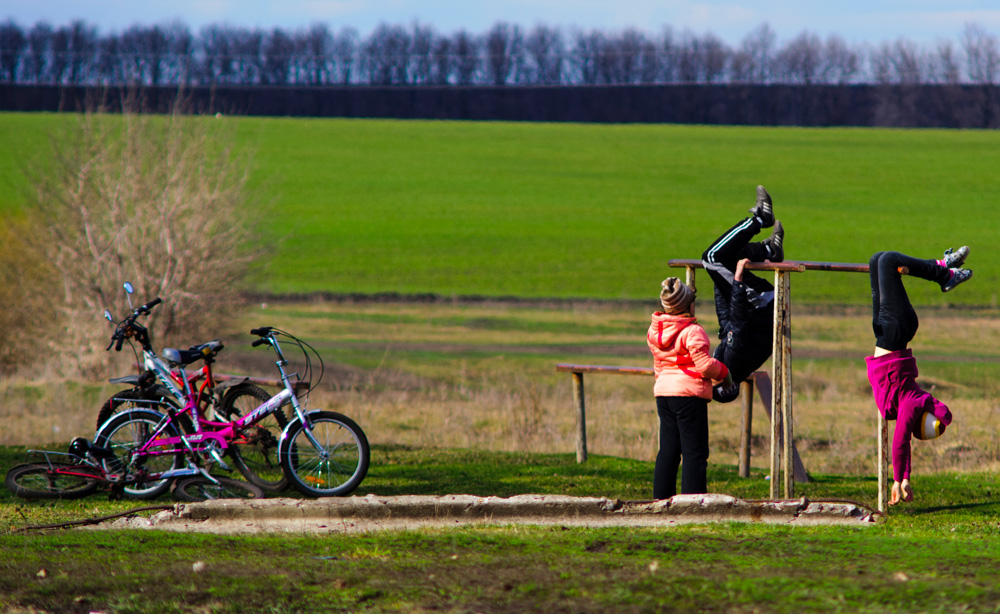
[{"x": 158, "y": 200}]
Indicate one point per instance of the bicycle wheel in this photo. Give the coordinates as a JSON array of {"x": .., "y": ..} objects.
[
  {"x": 200, "y": 488},
  {"x": 149, "y": 398},
  {"x": 255, "y": 449},
  {"x": 333, "y": 469},
  {"x": 127, "y": 432},
  {"x": 55, "y": 481}
]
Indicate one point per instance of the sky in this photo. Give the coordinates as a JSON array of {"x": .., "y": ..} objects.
[{"x": 857, "y": 21}]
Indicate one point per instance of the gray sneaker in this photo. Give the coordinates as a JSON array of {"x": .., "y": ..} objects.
[
  {"x": 957, "y": 276},
  {"x": 763, "y": 209},
  {"x": 955, "y": 258},
  {"x": 775, "y": 243}
]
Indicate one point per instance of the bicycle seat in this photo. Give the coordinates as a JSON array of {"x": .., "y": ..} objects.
[{"x": 194, "y": 354}]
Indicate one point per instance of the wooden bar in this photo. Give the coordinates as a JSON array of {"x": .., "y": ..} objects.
[
  {"x": 581, "y": 417},
  {"x": 571, "y": 368},
  {"x": 746, "y": 426}
]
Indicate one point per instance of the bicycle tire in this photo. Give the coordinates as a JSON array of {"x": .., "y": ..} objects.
[
  {"x": 129, "y": 430},
  {"x": 49, "y": 481},
  {"x": 335, "y": 470},
  {"x": 255, "y": 449},
  {"x": 145, "y": 398},
  {"x": 200, "y": 488}
]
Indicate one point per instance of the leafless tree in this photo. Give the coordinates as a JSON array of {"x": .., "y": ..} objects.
[
  {"x": 944, "y": 65},
  {"x": 800, "y": 60},
  {"x": 12, "y": 45},
  {"x": 504, "y": 53},
  {"x": 468, "y": 58},
  {"x": 344, "y": 56},
  {"x": 757, "y": 52},
  {"x": 544, "y": 50},
  {"x": 422, "y": 39},
  {"x": 583, "y": 60},
  {"x": 386, "y": 55},
  {"x": 159, "y": 201},
  {"x": 840, "y": 63},
  {"x": 982, "y": 54}
]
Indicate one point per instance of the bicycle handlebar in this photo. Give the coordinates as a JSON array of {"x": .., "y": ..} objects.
[
  {"x": 129, "y": 328},
  {"x": 263, "y": 331},
  {"x": 258, "y": 342}
]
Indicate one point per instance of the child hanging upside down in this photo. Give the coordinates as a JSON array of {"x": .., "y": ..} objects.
[
  {"x": 892, "y": 370},
  {"x": 744, "y": 303}
]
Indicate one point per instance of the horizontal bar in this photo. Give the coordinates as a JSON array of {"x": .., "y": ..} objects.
[
  {"x": 788, "y": 265},
  {"x": 793, "y": 266},
  {"x": 569, "y": 368}
]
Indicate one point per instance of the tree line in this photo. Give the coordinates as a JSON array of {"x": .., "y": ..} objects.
[{"x": 506, "y": 54}]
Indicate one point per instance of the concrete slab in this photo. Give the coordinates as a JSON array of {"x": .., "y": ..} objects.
[{"x": 373, "y": 513}]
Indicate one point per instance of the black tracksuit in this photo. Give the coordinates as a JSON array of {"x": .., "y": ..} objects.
[{"x": 745, "y": 310}]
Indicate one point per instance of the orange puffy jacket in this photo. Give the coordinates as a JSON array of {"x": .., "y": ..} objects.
[{"x": 681, "y": 359}]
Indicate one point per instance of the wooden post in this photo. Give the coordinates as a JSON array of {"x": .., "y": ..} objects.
[
  {"x": 786, "y": 382},
  {"x": 746, "y": 424},
  {"x": 689, "y": 278},
  {"x": 883, "y": 462},
  {"x": 581, "y": 417},
  {"x": 779, "y": 391}
]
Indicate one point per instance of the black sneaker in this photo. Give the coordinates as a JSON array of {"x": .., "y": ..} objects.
[
  {"x": 775, "y": 243},
  {"x": 955, "y": 258},
  {"x": 763, "y": 209},
  {"x": 957, "y": 276}
]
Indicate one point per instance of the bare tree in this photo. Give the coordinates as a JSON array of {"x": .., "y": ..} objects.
[
  {"x": 344, "y": 56},
  {"x": 422, "y": 39},
  {"x": 982, "y": 55},
  {"x": 840, "y": 63},
  {"x": 386, "y": 55},
  {"x": 504, "y": 53},
  {"x": 278, "y": 51},
  {"x": 468, "y": 58},
  {"x": 12, "y": 45},
  {"x": 38, "y": 57},
  {"x": 161, "y": 202},
  {"x": 544, "y": 50},
  {"x": 800, "y": 60},
  {"x": 689, "y": 58},
  {"x": 944, "y": 65},
  {"x": 587, "y": 49},
  {"x": 715, "y": 55},
  {"x": 757, "y": 51}
]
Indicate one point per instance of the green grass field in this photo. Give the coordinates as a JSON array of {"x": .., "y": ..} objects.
[
  {"x": 558, "y": 210},
  {"x": 938, "y": 555}
]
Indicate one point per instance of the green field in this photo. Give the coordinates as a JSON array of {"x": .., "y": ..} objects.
[
  {"x": 568, "y": 210},
  {"x": 938, "y": 555}
]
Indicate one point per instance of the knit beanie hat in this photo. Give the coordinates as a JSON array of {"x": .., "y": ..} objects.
[{"x": 675, "y": 296}]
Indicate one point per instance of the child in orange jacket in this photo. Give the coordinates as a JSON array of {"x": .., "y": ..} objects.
[{"x": 684, "y": 370}]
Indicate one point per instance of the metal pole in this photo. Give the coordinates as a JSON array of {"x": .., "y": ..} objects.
[
  {"x": 581, "y": 417},
  {"x": 746, "y": 422}
]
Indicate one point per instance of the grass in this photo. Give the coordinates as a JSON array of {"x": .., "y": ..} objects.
[
  {"x": 938, "y": 555},
  {"x": 568, "y": 210}
]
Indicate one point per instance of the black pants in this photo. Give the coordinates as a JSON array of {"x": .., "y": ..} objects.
[
  {"x": 745, "y": 331},
  {"x": 894, "y": 321},
  {"x": 683, "y": 433}
]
